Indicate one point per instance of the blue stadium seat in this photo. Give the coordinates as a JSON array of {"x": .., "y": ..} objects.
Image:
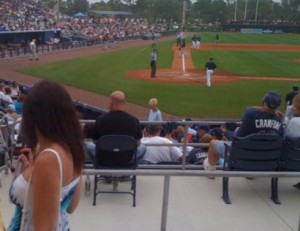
[{"x": 256, "y": 152}]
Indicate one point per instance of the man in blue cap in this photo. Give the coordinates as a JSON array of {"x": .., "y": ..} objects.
[{"x": 265, "y": 118}]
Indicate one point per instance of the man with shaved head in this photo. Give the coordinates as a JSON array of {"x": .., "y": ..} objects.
[
  {"x": 117, "y": 101},
  {"x": 117, "y": 122}
]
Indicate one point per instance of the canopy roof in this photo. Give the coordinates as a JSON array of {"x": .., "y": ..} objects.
[
  {"x": 102, "y": 12},
  {"x": 79, "y": 15}
]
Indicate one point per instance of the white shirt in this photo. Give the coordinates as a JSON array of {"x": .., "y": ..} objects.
[
  {"x": 2, "y": 95},
  {"x": 292, "y": 129},
  {"x": 8, "y": 99},
  {"x": 32, "y": 45},
  {"x": 14, "y": 91},
  {"x": 155, "y": 154},
  {"x": 288, "y": 113}
]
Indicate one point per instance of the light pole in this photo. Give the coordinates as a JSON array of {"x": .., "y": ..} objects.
[
  {"x": 235, "y": 10},
  {"x": 256, "y": 11},
  {"x": 56, "y": 6},
  {"x": 245, "y": 13},
  {"x": 183, "y": 14}
]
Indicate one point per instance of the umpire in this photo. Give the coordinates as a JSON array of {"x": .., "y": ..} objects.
[{"x": 153, "y": 60}]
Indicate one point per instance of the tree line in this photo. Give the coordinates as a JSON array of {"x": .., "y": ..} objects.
[{"x": 196, "y": 12}]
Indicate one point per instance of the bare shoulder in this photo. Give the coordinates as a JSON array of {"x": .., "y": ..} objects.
[
  {"x": 46, "y": 156},
  {"x": 47, "y": 165},
  {"x": 46, "y": 161},
  {"x": 46, "y": 169}
]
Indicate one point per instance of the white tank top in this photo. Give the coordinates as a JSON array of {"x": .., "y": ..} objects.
[{"x": 18, "y": 192}]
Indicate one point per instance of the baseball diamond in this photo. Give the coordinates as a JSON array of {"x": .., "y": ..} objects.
[
  {"x": 192, "y": 76},
  {"x": 172, "y": 75}
]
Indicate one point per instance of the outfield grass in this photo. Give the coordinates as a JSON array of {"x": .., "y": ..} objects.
[
  {"x": 107, "y": 72},
  {"x": 252, "y": 38},
  {"x": 252, "y": 63}
]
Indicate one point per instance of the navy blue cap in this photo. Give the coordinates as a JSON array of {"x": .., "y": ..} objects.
[
  {"x": 217, "y": 132},
  {"x": 272, "y": 100},
  {"x": 25, "y": 90},
  {"x": 170, "y": 126},
  {"x": 203, "y": 127}
]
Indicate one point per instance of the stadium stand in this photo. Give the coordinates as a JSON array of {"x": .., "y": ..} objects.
[
  {"x": 21, "y": 21},
  {"x": 164, "y": 170},
  {"x": 87, "y": 112}
]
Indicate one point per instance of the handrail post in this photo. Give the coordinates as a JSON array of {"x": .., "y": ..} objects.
[
  {"x": 185, "y": 142},
  {"x": 165, "y": 203}
]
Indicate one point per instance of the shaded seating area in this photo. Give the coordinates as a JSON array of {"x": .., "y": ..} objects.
[{"x": 115, "y": 152}]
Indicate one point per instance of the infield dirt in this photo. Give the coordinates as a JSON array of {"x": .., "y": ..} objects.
[{"x": 191, "y": 76}]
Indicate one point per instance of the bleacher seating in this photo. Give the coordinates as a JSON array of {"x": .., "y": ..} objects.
[
  {"x": 290, "y": 159},
  {"x": 255, "y": 152}
]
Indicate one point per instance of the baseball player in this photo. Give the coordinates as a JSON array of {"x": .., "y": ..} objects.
[
  {"x": 194, "y": 42},
  {"x": 33, "y": 53},
  {"x": 210, "y": 66},
  {"x": 198, "y": 42},
  {"x": 217, "y": 40}
]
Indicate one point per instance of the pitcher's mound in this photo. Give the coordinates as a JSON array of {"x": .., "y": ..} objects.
[{"x": 178, "y": 76}]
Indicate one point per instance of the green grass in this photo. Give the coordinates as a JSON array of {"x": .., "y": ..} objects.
[
  {"x": 251, "y": 38},
  {"x": 252, "y": 63},
  {"x": 107, "y": 72}
]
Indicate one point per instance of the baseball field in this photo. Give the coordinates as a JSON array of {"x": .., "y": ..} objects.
[{"x": 248, "y": 65}]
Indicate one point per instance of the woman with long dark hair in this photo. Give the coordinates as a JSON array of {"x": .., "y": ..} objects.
[{"x": 50, "y": 184}]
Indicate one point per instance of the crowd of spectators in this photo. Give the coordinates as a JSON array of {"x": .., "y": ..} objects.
[
  {"x": 12, "y": 97},
  {"x": 174, "y": 133},
  {"x": 19, "y": 15},
  {"x": 95, "y": 27}
]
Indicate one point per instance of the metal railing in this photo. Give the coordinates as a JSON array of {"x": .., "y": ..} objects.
[
  {"x": 168, "y": 171},
  {"x": 167, "y": 174},
  {"x": 17, "y": 50}
]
